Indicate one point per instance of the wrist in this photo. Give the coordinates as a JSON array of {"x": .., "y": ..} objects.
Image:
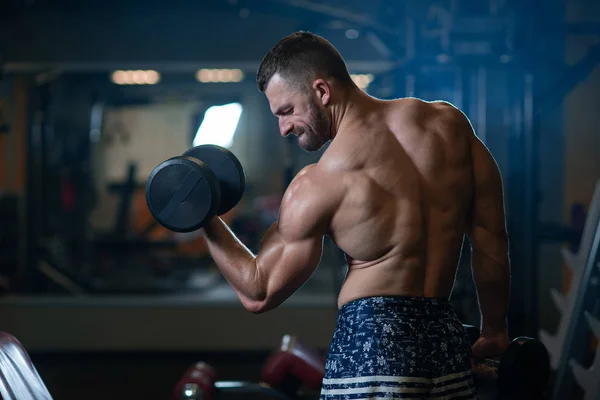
[
  {"x": 209, "y": 229},
  {"x": 494, "y": 329}
]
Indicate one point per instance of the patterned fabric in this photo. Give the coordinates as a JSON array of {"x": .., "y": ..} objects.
[{"x": 398, "y": 347}]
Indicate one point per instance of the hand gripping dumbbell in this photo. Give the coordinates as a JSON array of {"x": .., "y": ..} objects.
[
  {"x": 186, "y": 191},
  {"x": 523, "y": 371}
]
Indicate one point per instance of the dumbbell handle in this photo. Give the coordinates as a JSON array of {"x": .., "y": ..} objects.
[
  {"x": 249, "y": 387},
  {"x": 485, "y": 370},
  {"x": 473, "y": 333},
  {"x": 488, "y": 362}
]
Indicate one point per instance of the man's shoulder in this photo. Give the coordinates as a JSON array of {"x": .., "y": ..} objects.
[
  {"x": 314, "y": 191},
  {"x": 305, "y": 175},
  {"x": 438, "y": 116},
  {"x": 437, "y": 108},
  {"x": 309, "y": 178},
  {"x": 320, "y": 180}
]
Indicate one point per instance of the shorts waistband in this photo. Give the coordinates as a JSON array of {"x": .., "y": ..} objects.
[{"x": 402, "y": 304}]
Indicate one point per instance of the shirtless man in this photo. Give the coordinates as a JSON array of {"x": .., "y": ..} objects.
[{"x": 399, "y": 186}]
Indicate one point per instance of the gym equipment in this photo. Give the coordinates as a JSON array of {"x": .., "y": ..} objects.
[
  {"x": 577, "y": 263},
  {"x": 293, "y": 366},
  {"x": 570, "y": 346},
  {"x": 19, "y": 380},
  {"x": 287, "y": 371},
  {"x": 198, "y": 382},
  {"x": 184, "y": 192},
  {"x": 523, "y": 371}
]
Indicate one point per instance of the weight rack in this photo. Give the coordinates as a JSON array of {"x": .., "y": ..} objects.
[{"x": 570, "y": 346}]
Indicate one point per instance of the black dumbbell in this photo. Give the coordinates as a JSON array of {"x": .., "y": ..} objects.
[
  {"x": 184, "y": 192},
  {"x": 523, "y": 371}
]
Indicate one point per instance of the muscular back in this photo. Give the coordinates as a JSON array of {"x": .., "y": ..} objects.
[{"x": 407, "y": 185}]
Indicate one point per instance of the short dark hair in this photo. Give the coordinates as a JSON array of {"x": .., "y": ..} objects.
[{"x": 299, "y": 57}]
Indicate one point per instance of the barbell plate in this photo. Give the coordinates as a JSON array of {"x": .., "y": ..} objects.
[
  {"x": 524, "y": 369},
  {"x": 228, "y": 170}
]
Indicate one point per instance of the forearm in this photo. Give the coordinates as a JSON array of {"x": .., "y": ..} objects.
[
  {"x": 235, "y": 261},
  {"x": 264, "y": 281},
  {"x": 491, "y": 273}
]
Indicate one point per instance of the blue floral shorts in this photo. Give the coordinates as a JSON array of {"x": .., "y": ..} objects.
[{"x": 396, "y": 348}]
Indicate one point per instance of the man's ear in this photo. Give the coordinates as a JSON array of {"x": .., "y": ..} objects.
[{"x": 322, "y": 90}]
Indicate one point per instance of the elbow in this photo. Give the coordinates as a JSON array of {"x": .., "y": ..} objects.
[
  {"x": 255, "y": 297},
  {"x": 261, "y": 297},
  {"x": 252, "y": 305},
  {"x": 255, "y": 306},
  {"x": 257, "y": 309},
  {"x": 259, "y": 305},
  {"x": 255, "y": 302}
]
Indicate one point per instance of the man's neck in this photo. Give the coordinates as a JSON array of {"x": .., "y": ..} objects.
[{"x": 352, "y": 110}]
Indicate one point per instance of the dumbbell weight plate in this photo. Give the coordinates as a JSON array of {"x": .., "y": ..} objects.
[
  {"x": 228, "y": 170},
  {"x": 524, "y": 370},
  {"x": 182, "y": 193}
]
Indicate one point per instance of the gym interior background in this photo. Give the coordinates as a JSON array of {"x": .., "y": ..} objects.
[{"x": 94, "y": 94}]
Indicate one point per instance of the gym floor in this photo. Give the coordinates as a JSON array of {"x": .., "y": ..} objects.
[
  {"x": 104, "y": 347},
  {"x": 120, "y": 375}
]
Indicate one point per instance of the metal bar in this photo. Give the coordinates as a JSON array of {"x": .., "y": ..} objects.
[
  {"x": 578, "y": 334},
  {"x": 531, "y": 187},
  {"x": 169, "y": 67},
  {"x": 458, "y": 87},
  {"x": 481, "y": 106},
  {"x": 339, "y": 13},
  {"x": 249, "y": 388},
  {"x": 472, "y": 100},
  {"x": 515, "y": 198},
  {"x": 60, "y": 279},
  {"x": 410, "y": 85},
  {"x": 380, "y": 45}
]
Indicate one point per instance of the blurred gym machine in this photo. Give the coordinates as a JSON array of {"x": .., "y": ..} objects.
[{"x": 64, "y": 253}]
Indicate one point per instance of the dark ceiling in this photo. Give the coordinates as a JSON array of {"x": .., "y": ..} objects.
[
  {"x": 186, "y": 34},
  {"x": 96, "y": 33}
]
